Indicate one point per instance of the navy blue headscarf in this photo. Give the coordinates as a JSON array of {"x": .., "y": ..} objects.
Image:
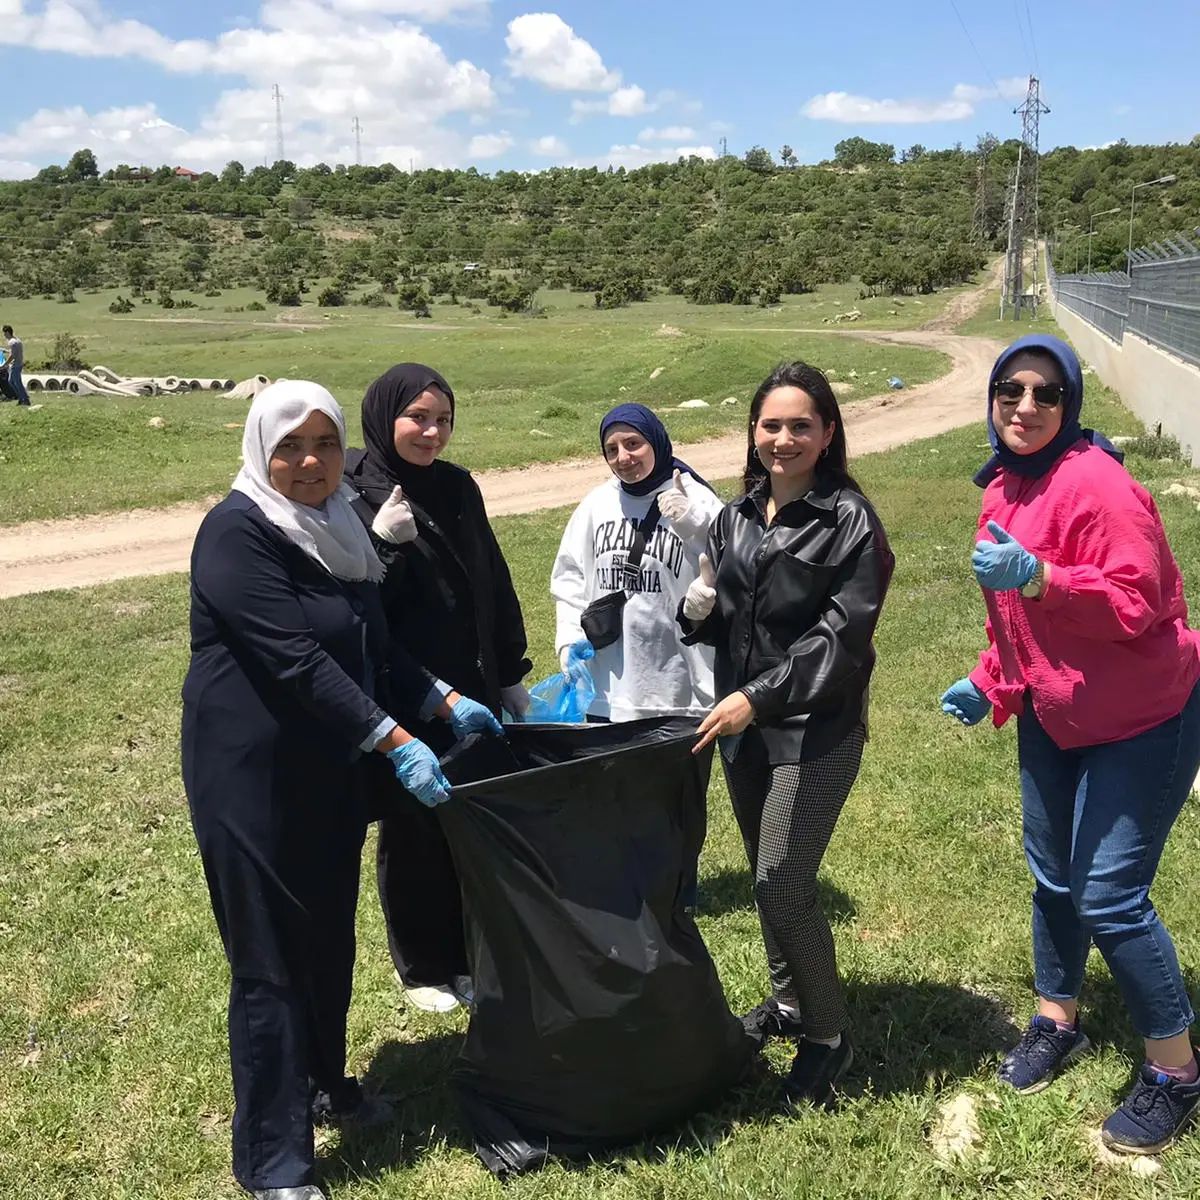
[
  {"x": 639, "y": 417},
  {"x": 1038, "y": 463}
]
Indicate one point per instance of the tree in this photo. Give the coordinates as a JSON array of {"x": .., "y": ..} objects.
[
  {"x": 82, "y": 165},
  {"x": 915, "y": 151},
  {"x": 233, "y": 174},
  {"x": 985, "y": 144},
  {"x": 857, "y": 151},
  {"x": 787, "y": 156},
  {"x": 759, "y": 160}
]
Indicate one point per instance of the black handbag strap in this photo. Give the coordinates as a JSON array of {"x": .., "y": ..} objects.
[{"x": 644, "y": 528}]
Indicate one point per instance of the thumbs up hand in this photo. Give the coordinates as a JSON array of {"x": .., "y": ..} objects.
[
  {"x": 701, "y": 595},
  {"x": 394, "y": 522},
  {"x": 1002, "y": 564},
  {"x": 674, "y": 504}
]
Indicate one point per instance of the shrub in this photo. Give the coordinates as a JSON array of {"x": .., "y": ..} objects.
[
  {"x": 331, "y": 297},
  {"x": 122, "y": 304},
  {"x": 256, "y": 306},
  {"x": 67, "y": 354}
]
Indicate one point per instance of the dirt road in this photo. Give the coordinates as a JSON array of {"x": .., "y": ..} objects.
[{"x": 78, "y": 552}]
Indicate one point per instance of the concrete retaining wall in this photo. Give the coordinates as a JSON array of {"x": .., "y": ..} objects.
[{"x": 1157, "y": 386}]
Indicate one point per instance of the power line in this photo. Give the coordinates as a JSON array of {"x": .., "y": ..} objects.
[
  {"x": 970, "y": 39},
  {"x": 1021, "y": 31},
  {"x": 1032, "y": 40}
]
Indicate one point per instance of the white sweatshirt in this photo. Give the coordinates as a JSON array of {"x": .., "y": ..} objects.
[{"x": 646, "y": 672}]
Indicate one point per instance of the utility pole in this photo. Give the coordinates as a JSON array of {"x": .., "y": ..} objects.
[
  {"x": 724, "y": 148},
  {"x": 979, "y": 214},
  {"x": 1023, "y": 219},
  {"x": 357, "y": 141},
  {"x": 278, "y": 95},
  {"x": 1010, "y": 294}
]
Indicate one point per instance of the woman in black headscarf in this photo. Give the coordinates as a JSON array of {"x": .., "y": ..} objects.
[{"x": 450, "y": 604}]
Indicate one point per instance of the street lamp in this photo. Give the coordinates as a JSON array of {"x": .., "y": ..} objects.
[
  {"x": 1091, "y": 232},
  {"x": 1132, "y": 195}
]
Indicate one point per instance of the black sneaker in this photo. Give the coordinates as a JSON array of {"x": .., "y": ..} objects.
[
  {"x": 768, "y": 1020},
  {"x": 816, "y": 1070},
  {"x": 1042, "y": 1052},
  {"x": 1156, "y": 1109}
]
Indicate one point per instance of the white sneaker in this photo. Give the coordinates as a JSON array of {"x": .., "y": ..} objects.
[
  {"x": 463, "y": 986},
  {"x": 435, "y": 999}
]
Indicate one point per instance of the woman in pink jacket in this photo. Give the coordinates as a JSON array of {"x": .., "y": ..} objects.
[{"x": 1090, "y": 649}]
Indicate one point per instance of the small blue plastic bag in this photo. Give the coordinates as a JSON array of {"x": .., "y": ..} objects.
[{"x": 565, "y": 699}]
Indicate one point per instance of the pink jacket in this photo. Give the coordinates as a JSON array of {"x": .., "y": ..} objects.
[{"x": 1105, "y": 653}]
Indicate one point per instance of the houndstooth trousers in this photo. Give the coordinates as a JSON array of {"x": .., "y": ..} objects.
[{"x": 786, "y": 814}]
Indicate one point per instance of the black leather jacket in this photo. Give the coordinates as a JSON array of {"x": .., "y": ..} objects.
[{"x": 797, "y": 605}]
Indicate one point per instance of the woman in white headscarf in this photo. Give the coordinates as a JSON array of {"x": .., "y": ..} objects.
[{"x": 287, "y": 689}]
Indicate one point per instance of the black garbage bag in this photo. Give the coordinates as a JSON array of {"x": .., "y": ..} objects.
[{"x": 599, "y": 1017}]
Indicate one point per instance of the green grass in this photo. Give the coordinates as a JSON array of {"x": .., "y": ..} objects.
[
  {"x": 530, "y": 390},
  {"x": 113, "y": 1070}
]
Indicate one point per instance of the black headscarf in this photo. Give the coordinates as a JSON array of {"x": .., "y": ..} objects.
[
  {"x": 435, "y": 488},
  {"x": 1038, "y": 463},
  {"x": 639, "y": 417}
]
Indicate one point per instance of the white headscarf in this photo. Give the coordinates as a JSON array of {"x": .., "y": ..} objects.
[{"x": 333, "y": 535}]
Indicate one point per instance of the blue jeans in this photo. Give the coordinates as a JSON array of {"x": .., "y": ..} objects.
[
  {"x": 14, "y": 379},
  {"x": 1096, "y": 820}
]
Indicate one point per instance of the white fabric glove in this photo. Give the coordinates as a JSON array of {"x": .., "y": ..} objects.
[
  {"x": 674, "y": 504},
  {"x": 515, "y": 698},
  {"x": 564, "y": 654},
  {"x": 701, "y": 594},
  {"x": 394, "y": 522}
]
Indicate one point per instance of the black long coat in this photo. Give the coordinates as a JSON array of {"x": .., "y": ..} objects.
[
  {"x": 449, "y": 595},
  {"x": 286, "y": 660}
]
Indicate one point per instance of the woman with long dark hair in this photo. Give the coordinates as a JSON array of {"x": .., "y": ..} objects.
[
  {"x": 800, "y": 566},
  {"x": 451, "y": 605}
]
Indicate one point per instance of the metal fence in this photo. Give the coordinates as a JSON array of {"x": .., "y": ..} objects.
[{"x": 1160, "y": 303}]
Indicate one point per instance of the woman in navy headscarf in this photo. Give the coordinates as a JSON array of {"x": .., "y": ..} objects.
[
  {"x": 658, "y": 502},
  {"x": 1089, "y": 648}
]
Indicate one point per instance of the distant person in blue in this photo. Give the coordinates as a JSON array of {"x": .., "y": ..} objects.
[
  {"x": 288, "y": 689},
  {"x": 16, "y": 364}
]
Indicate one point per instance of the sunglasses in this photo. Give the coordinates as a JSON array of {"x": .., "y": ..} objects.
[{"x": 1045, "y": 395}]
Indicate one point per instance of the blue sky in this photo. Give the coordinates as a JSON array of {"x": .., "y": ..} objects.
[{"x": 498, "y": 85}]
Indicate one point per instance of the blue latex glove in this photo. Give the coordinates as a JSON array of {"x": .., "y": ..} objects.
[
  {"x": 469, "y": 716},
  {"x": 1003, "y": 564},
  {"x": 965, "y": 702},
  {"x": 420, "y": 773}
]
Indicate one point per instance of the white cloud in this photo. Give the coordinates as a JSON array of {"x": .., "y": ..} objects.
[
  {"x": 671, "y": 133},
  {"x": 636, "y": 155},
  {"x": 850, "y": 109},
  {"x": 628, "y": 102},
  {"x": 544, "y": 48},
  {"x": 15, "y": 168},
  {"x": 489, "y": 145},
  {"x": 333, "y": 59},
  {"x": 549, "y": 146},
  {"x": 624, "y": 102},
  {"x": 419, "y": 10}
]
